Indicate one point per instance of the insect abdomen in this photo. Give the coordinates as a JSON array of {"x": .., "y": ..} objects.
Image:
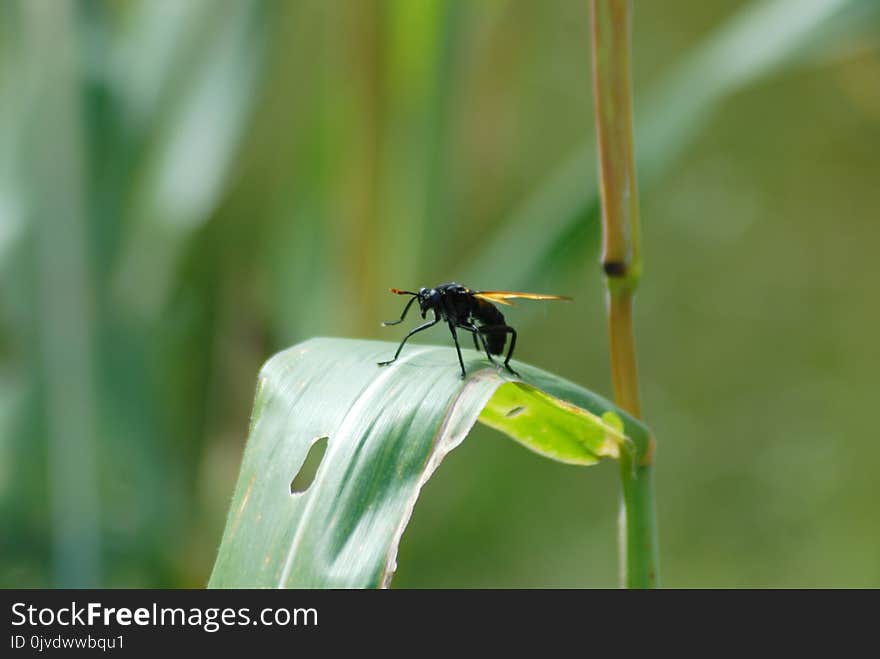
[
  {"x": 496, "y": 340},
  {"x": 487, "y": 315}
]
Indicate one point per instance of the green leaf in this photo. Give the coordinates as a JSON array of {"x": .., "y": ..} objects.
[{"x": 388, "y": 429}]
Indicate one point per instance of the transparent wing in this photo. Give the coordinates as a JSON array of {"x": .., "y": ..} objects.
[{"x": 504, "y": 297}]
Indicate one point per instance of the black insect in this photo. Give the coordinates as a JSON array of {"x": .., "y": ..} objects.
[{"x": 472, "y": 311}]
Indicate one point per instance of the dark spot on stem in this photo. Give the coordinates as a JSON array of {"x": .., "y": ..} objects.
[
  {"x": 614, "y": 268},
  {"x": 516, "y": 411}
]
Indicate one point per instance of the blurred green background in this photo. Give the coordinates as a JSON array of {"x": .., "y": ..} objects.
[{"x": 188, "y": 187}]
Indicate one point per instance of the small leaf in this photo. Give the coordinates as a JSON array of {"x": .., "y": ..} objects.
[{"x": 388, "y": 429}]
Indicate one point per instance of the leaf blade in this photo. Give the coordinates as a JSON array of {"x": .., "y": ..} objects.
[{"x": 389, "y": 428}]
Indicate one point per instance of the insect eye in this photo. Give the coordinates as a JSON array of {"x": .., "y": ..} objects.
[{"x": 423, "y": 290}]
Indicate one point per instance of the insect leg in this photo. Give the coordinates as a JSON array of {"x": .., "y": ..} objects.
[
  {"x": 457, "y": 349},
  {"x": 512, "y": 332},
  {"x": 475, "y": 332},
  {"x": 411, "y": 332},
  {"x": 510, "y": 350},
  {"x": 402, "y": 316}
]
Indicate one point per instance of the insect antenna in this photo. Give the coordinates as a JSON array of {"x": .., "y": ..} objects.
[{"x": 397, "y": 291}]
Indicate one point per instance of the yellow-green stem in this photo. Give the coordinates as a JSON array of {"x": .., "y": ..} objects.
[{"x": 621, "y": 261}]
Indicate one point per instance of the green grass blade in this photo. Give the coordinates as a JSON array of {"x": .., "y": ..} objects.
[
  {"x": 193, "y": 149},
  {"x": 388, "y": 430},
  {"x": 761, "y": 40},
  {"x": 56, "y": 160}
]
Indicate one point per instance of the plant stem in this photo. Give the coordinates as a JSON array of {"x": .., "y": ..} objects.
[{"x": 621, "y": 261}]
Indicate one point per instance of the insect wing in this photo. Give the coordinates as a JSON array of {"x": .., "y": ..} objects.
[{"x": 504, "y": 297}]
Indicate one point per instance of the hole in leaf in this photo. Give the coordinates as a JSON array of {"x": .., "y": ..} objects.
[
  {"x": 515, "y": 411},
  {"x": 306, "y": 473}
]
